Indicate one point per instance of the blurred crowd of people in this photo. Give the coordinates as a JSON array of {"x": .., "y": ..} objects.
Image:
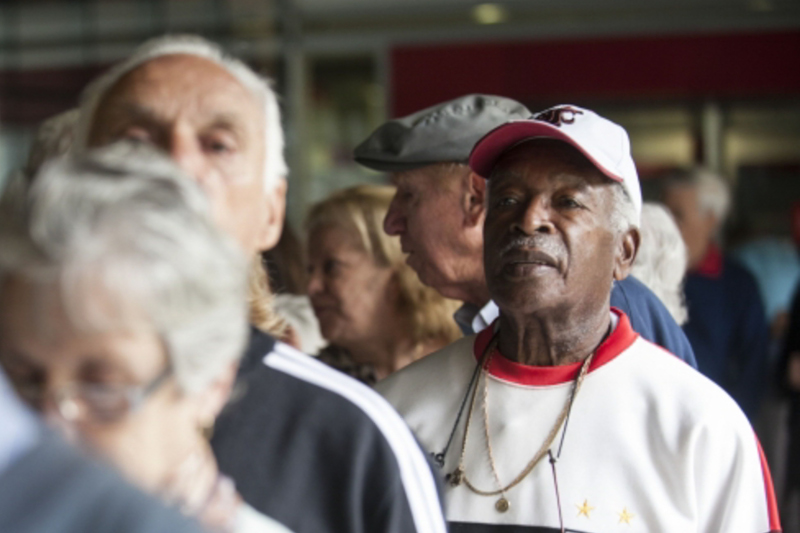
[{"x": 411, "y": 363}]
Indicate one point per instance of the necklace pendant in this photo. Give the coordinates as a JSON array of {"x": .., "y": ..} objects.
[
  {"x": 456, "y": 477},
  {"x": 502, "y": 505}
]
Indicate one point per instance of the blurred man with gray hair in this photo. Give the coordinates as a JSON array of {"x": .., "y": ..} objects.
[
  {"x": 305, "y": 445},
  {"x": 727, "y": 325}
]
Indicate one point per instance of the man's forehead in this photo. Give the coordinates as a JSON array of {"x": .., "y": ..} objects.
[
  {"x": 545, "y": 159},
  {"x": 181, "y": 79},
  {"x": 434, "y": 175},
  {"x": 681, "y": 195},
  {"x": 407, "y": 178}
]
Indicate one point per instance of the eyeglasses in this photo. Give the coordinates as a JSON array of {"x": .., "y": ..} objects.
[{"x": 91, "y": 402}]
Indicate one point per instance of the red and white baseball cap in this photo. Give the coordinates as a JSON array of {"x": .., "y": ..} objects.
[{"x": 603, "y": 142}]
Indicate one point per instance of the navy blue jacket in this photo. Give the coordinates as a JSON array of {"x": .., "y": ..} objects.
[
  {"x": 320, "y": 452},
  {"x": 728, "y": 329},
  {"x": 650, "y": 319},
  {"x": 792, "y": 345}
]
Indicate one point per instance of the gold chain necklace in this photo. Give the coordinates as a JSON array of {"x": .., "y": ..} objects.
[{"x": 459, "y": 475}]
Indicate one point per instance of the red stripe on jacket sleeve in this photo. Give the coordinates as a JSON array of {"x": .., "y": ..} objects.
[{"x": 769, "y": 490}]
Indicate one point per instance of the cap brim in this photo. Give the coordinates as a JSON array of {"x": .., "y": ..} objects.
[
  {"x": 396, "y": 166},
  {"x": 494, "y": 144}
]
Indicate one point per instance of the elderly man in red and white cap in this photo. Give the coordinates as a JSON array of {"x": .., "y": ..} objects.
[{"x": 559, "y": 416}]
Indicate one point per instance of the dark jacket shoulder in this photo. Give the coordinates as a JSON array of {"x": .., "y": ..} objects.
[
  {"x": 319, "y": 451},
  {"x": 650, "y": 318}
]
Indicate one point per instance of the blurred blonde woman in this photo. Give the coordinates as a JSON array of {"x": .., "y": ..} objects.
[{"x": 372, "y": 309}]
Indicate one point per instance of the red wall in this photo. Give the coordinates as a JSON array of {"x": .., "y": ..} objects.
[
  {"x": 30, "y": 96},
  {"x": 640, "y": 68}
]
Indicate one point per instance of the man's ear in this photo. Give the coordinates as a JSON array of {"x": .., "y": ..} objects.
[
  {"x": 275, "y": 210},
  {"x": 474, "y": 200},
  {"x": 627, "y": 249}
]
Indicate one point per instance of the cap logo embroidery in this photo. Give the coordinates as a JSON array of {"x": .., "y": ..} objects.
[{"x": 559, "y": 115}]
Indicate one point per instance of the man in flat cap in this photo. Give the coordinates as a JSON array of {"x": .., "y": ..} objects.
[
  {"x": 559, "y": 416},
  {"x": 439, "y": 209}
]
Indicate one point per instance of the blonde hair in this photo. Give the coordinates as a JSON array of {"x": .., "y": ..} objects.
[
  {"x": 361, "y": 209},
  {"x": 260, "y": 301}
]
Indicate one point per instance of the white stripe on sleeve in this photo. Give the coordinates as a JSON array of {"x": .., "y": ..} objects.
[{"x": 415, "y": 472}]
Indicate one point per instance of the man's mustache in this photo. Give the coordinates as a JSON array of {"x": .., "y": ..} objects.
[{"x": 540, "y": 243}]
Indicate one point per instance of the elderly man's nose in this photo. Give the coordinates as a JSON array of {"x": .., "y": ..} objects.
[
  {"x": 536, "y": 218},
  {"x": 394, "y": 222},
  {"x": 188, "y": 155}
]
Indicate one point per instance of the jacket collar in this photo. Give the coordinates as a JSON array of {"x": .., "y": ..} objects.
[{"x": 616, "y": 343}]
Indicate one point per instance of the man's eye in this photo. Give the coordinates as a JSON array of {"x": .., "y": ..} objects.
[
  {"x": 219, "y": 148},
  {"x": 137, "y": 133},
  {"x": 218, "y": 145},
  {"x": 568, "y": 202},
  {"x": 506, "y": 201},
  {"x": 405, "y": 195}
]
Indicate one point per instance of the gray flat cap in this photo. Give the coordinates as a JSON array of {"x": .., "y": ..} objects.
[{"x": 443, "y": 133}]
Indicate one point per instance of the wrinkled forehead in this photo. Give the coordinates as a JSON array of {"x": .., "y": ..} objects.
[
  {"x": 174, "y": 85},
  {"x": 435, "y": 177},
  {"x": 545, "y": 159}
]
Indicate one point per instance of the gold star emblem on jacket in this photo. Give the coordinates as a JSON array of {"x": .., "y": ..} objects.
[
  {"x": 625, "y": 516},
  {"x": 585, "y": 509}
]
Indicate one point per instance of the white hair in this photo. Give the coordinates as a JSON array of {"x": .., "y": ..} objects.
[
  {"x": 275, "y": 168},
  {"x": 53, "y": 138},
  {"x": 128, "y": 241},
  {"x": 623, "y": 215},
  {"x": 662, "y": 258},
  {"x": 713, "y": 192}
]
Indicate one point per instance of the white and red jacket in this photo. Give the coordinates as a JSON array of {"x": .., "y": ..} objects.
[{"x": 651, "y": 444}]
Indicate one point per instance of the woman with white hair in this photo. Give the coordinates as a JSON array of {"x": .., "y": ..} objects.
[
  {"x": 661, "y": 260},
  {"x": 122, "y": 319}
]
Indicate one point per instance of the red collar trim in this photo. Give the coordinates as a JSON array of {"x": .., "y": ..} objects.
[
  {"x": 620, "y": 340},
  {"x": 711, "y": 265}
]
